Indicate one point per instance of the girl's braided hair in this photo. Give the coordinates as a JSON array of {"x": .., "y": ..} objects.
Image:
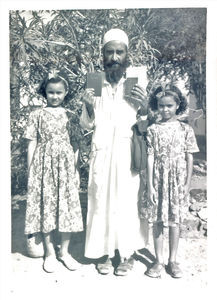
[{"x": 168, "y": 90}]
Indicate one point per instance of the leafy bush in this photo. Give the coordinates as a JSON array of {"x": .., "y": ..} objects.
[{"x": 171, "y": 44}]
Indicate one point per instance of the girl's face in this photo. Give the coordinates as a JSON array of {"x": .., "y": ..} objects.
[
  {"x": 55, "y": 93},
  {"x": 167, "y": 107}
]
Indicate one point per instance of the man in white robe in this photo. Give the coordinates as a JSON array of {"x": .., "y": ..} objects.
[{"x": 112, "y": 218}]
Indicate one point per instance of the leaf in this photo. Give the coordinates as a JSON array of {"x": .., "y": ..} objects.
[{"x": 72, "y": 40}]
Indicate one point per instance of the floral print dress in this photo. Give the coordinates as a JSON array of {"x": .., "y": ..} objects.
[
  {"x": 53, "y": 182},
  {"x": 168, "y": 142}
]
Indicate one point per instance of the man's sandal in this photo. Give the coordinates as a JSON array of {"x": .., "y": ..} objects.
[
  {"x": 156, "y": 270},
  {"x": 105, "y": 268},
  {"x": 124, "y": 267}
]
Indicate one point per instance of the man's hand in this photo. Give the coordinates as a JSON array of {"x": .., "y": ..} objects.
[
  {"x": 138, "y": 96},
  {"x": 88, "y": 96}
]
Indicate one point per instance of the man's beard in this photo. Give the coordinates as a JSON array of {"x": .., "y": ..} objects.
[{"x": 114, "y": 75}]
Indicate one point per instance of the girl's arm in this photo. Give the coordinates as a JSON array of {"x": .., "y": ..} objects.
[
  {"x": 189, "y": 158},
  {"x": 151, "y": 190},
  {"x": 136, "y": 150},
  {"x": 31, "y": 149},
  {"x": 76, "y": 159},
  {"x": 90, "y": 110},
  {"x": 87, "y": 115},
  {"x": 88, "y": 98}
]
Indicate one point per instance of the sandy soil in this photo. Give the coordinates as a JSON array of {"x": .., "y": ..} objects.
[{"x": 28, "y": 280}]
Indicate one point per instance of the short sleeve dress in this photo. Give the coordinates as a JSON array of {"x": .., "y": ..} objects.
[
  {"x": 53, "y": 182},
  {"x": 168, "y": 142}
]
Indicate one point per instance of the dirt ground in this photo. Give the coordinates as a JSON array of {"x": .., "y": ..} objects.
[{"x": 28, "y": 280}]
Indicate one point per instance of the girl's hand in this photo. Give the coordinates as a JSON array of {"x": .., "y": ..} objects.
[
  {"x": 143, "y": 176},
  {"x": 32, "y": 144},
  {"x": 76, "y": 159},
  {"x": 152, "y": 195},
  {"x": 88, "y": 96},
  {"x": 138, "y": 95},
  {"x": 28, "y": 168},
  {"x": 186, "y": 190}
]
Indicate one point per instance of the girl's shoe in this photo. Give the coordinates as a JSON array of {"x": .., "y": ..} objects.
[
  {"x": 69, "y": 262},
  {"x": 156, "y": 270},
  {"x": 124, "y": 267},
  {"x": 50, "y": 264},
  {"x": 105, "y": 268},
  {"x": 174, "y": 270}
]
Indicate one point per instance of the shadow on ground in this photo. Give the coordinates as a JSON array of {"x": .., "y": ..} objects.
[{"x": 18, "y": 241}]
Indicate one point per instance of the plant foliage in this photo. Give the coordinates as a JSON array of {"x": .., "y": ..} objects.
[{"x": 171, "y": 42}]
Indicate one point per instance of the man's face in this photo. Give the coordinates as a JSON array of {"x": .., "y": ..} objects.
[{"x": 115, "y": 54}]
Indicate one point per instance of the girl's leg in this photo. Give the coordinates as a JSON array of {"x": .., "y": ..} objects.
[
  {"x": 50, "y": 263},
  {"x": 65, "y": 240},
  {"x": 156, "y": 269},
  {"x": 158, "y": 242},
  {"x": 49, "y": 248},
  {"x": 173, "y": 268},
  {"x": 174, "y": 232},
  {"x": 64, "y": 255}
]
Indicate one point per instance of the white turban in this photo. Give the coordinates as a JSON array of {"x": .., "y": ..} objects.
[{"x": 115, "y": 35}]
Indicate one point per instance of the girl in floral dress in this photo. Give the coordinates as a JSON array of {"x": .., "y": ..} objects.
[
  {"x": 170, "y": 144},
  {"x": 53, "y": 181}
]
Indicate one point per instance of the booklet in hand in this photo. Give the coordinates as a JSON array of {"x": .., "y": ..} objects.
[
  {"x": 129, "y": 84},
  {"x": 94, "y": 81}
]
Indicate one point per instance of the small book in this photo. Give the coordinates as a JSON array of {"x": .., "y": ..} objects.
[
  {"x": 129, "y": 84},
  {"x": 94, "y": 81}
]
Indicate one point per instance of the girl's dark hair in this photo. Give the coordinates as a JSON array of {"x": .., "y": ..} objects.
[
  {"x": 53, "y": 79},
  {"x": 168, "y": 90}
]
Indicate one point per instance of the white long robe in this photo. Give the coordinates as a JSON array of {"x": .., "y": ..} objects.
[{"x": 112, "y": 218}]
